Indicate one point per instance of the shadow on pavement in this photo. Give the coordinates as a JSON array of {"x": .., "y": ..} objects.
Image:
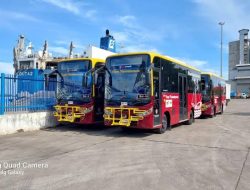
[
  {"x": 101, "y": 130},
  {"x": 239, "y": 114}
]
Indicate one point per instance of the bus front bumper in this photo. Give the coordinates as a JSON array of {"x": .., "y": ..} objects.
[
  {"x": 70, "y": 113},
  {"x": 123, "y": 116}
]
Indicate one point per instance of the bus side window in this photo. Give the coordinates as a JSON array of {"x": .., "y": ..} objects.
[{"x": 157, "y": 62}]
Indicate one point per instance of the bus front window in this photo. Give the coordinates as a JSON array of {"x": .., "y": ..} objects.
[
  {"x": 72, "y": 89},
  {"x": 130, "y": 80}
]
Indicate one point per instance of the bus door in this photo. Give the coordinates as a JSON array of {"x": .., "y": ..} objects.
[
  {"x": 157, "y": 96},
  {"x": 182, "y": 87},
  {"x": 99, "y": 95}
]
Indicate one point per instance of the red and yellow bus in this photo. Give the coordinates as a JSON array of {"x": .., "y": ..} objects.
[
  {"x": 150, "y": 91},
  {"x": 213, "y": 90},
  {"x": 80, "y": 96}
]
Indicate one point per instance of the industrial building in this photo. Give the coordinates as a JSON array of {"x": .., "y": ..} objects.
[{"x": 239, "y": 64}]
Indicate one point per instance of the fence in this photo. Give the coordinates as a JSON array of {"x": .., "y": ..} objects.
[{"x": 26, "y": 94}]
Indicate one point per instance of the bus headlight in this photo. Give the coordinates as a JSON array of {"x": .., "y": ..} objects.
[
  {"x": 204, "y": 107},
  {"x": 84, "y": 110},
  {"x": 107, "y": 112},
  {"x": 89, "y": 109},
  {"x": 145, "y": 113}
]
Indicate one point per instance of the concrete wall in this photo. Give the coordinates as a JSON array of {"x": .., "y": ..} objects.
[{"x": 12, "y": 123}]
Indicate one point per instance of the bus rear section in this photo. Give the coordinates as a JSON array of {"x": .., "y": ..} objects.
[
  {"x": 80, "y": 93},
  {"x": 213, "y": 90},
  {"x": 150, "y": 91}
]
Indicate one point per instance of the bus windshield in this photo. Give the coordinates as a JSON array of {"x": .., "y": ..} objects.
[
  {"x": 130, "y": 80},
  {"x": 206, "y": 88},
  {"x": 72, "y": 89},
  {"x": 74, "y": 66}
]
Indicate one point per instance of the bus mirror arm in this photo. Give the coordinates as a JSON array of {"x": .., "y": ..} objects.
[
  {"x": 110, "y": 76},
  {"x": 85, "y": 78},
  {"x": 95, "y": 71}
]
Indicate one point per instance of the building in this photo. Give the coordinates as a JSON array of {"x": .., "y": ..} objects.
[{"x": 239, "y": 64}]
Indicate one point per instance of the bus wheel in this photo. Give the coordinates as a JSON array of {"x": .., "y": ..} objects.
[
  {"x": 164, "y": 125},
  {"x": 212, "y": 112},
  {"x": 191, "y": 119}
]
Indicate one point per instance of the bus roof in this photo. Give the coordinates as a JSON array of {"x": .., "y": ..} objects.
[
  {"x": 153, "y": 54},
  {"x": 212, "y": 74},
  {"x": 83, "y": 59}
]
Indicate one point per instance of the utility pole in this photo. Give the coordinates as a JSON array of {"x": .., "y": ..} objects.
[{"x": 221, "y": 46}]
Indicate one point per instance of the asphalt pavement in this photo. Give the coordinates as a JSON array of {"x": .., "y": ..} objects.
[{"x": 213, "y": 153}]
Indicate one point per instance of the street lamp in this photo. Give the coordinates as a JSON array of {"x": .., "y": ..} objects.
[{"x": 221, "y": 46}]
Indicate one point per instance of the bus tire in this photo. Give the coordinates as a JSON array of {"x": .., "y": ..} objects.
[
  {"x": 165, "y": 125},
  {"x": 191, "y": 119},
  {"x": 212, "y": 112}
]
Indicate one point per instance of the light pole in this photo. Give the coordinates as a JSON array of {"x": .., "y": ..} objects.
[{"x": 221, "y": 45}]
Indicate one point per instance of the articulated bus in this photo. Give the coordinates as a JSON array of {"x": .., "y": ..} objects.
[
  {"x": 150, "y": 91},
  {"x": 80, "y": 96},
  {"x": 213, "y": 89}
]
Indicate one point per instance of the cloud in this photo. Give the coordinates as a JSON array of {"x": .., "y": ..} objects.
[
  {"x": 75, "y": 7},
  {"x": 138, "y": 48},
  {"x": 66, "y": 43},
  {"x": 128, "y": 21},
  {"x": 59, "y": 50},
  {"x": 235, "y": 14},
  {"x": 91, "y": 14},
  {"x": 120, "y": 37},
  {"x": 6, "y": 67},
  {"x": 61, "y": 47},
  {"x": 68, "y": 5},
  {"x": 134, "y": 29},
  {"x": 204, "y": 66},
  {"x": 194, "y": 62},
  {"x": 134, "y": 36},
  {"x": 7, "y": 16}
]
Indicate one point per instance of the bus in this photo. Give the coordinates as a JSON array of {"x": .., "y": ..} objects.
[
  {"x": 80, "y": 93},
  {"x": 213, "y": 89},
  {"x": 150, "y": 91}
]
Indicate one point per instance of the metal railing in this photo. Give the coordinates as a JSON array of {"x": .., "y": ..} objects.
[{"x": 20, "y": 94}]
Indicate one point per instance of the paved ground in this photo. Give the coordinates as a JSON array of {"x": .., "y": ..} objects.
[{"x": 210, "y": 154}]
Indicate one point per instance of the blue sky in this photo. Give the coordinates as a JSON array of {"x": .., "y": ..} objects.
[{"x": 187, "y": 29}]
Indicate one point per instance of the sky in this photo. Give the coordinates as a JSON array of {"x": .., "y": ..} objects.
[{"x": 187, "y": 30}]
